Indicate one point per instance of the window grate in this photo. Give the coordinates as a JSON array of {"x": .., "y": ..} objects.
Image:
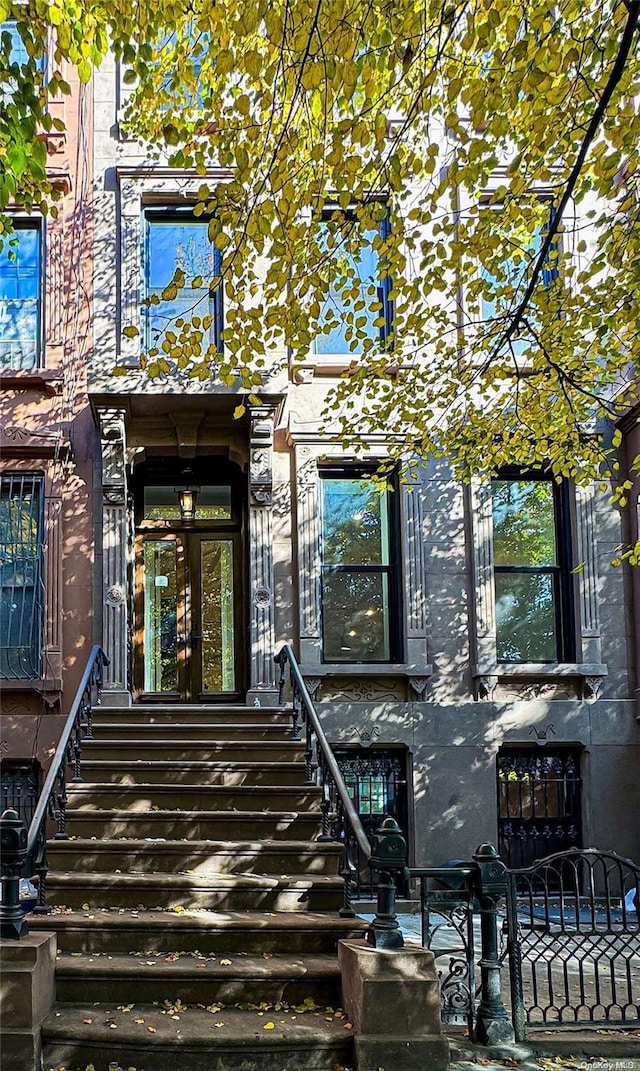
[
  {"x": 539, "y": 804},
  {"x": 21, "y": 577}
]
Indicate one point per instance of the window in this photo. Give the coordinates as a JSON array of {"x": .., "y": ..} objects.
[
  {"x": 532, "y": 569},
  {"x": 359, "y": 586},
  {"x": 358, "y": 285},
  {"x": 21, "y": 587},
  {"x": 14, "y": 54},
  {"x": 499, "y": 298},
  {"x": 539, "y": 803},
  {"x": 20, "y": 297},
  {"x": 176, "y": 241}
]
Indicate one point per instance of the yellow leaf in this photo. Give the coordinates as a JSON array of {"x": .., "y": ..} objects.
[
  {"x": 269, "y": 1026},
  {"x": 238, "y": 412}
]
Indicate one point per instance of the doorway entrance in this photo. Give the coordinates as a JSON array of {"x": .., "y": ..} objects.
[{"x": 189, "y": 591}]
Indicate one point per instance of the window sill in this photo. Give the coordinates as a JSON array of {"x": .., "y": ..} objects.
[
  {"x": 23, "y": 684},
  {"x": 591, "y": 673},
  {"x": 45, "y": 380},
  {"x": 418, "y": 676}
]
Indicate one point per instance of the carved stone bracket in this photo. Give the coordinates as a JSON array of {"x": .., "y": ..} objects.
[
  {"x": 261, "y": 456},
  {"x": 592, "y": 687},
  {"x": 112, "y": 446},
  {"x": 419, "y": 685},
  {"x": 313, "y": 685},
  {"x": 486, "y": 685}
]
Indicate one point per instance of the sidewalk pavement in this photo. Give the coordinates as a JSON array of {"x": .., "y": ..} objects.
[{"x": 588, "y": 1047}]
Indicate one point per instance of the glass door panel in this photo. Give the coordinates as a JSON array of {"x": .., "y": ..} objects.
[
  {"x": 160, "y": 623},
  {"x": 216, "y": 615}
]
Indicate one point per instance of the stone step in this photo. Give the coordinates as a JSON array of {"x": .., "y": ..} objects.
[
  {"x": 194, "y": 772},
  {"x": 197, "y": 856},
  {"x": 201, "y": 713},
  {"x": 142, "y": 797},
  {"x": 219, "y": 892},
  {"x": 210, "y": 751},
  {"x": 193, "y": 824},
  {"x": 81, "y": 1034},
  {"x": 199, "y": 979},
  {"x": 208, "y": 932},
  {"x": 213, "y": 729}
]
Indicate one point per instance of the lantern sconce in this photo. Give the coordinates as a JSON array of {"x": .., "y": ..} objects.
[{"x": 187, "y": 496}]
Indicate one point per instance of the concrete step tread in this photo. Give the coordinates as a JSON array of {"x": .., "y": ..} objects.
[
  {"x": 189, "y": 764},
  {"x": 141, "y": 789},
  {"x": 91, "y": 881},
  {"x": 202, "y": 743},
  {"x": 138, "y": 789},
  {"x": 175, "y": 966},
  {"x": 175, "y": 814},
  {"x": 150, "y": 844},
  {"x": 182, "y": 726},
  {"x": 215, "y": 709},
  {"x": 198, "y": 919},
  {"x": 116, "y": 1027}
]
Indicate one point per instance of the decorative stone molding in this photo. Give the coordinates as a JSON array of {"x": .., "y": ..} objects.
[
  {"x": 364, "y": 690},
  {"x": 261, "y": 455},
  {"x": 484, "y": 622},
  {"x": 534, "y": 680},
  {"x": 592, "y": 687},
  {"x": 308, "y": 547},
  {"x": 114, "y": 551},
  {"x": 419, "y": 685},
  {"x": 542, "y": 735},
  {"x": 19, "y": 441},
  {"x": 486, "y": 685},
  {"x": 261, "y": 574},
  {"x": 187, "y": 425},
  {"x": 313, "y": 686},
  {"x": 365, "y": 736}
]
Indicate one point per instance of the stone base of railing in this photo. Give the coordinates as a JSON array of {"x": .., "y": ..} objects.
[
  {"x": 27, "y": 993},
  {"x": 392, "y": 998}
]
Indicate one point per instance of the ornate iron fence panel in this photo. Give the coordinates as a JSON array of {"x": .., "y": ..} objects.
[
  {"x": 376, "y": 780},
  {"x": 573, "y": 936},
  {"x": 19, "y": 790},
  {"x": 539, "y": 807},
  {"x": 447, "y": 904}
]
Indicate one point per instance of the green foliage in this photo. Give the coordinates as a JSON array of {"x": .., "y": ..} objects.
[{"x": 483, "y": 130}]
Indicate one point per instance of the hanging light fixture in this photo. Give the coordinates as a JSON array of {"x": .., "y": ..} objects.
[{"x": 187, "y": 496}]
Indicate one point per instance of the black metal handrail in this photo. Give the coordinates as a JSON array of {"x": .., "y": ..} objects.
[
  {"x": 340, "y": 819},
  {"x": 53, "y": 798}
]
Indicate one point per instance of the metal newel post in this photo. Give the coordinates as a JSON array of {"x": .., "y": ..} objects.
[
  {"x": 388, "y": 858},
  {"x": 13, "y": 852},
  {"x": 493, "y": 1025}
]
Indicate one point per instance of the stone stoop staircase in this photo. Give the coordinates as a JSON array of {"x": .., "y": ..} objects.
[{"x": 196, "y": 913}]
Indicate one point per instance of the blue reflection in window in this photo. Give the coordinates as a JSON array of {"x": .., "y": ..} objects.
[
  {"x": 181, "y": 243},
  {"x": 356, "y": 256},
  {"x": 20, "y": 287}
]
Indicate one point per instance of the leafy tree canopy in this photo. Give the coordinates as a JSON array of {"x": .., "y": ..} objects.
[{"x": 483, "y": 154}]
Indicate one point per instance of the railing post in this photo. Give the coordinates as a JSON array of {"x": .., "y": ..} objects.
[
  {"x": 13, "y": 849},
  {"x": 493, "y": 1025},
  {"x": 388, "y": 858},
  {"x": 515, "y": 963}
]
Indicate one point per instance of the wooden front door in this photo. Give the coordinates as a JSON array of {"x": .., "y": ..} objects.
[{"x": 190, "y": 629}]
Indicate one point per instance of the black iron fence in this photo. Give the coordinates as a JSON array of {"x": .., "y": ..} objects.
[
  {"x": 22, "y": 853},
  {"x": 573, "y": 940},
  {"x": 570, "y": 927}
]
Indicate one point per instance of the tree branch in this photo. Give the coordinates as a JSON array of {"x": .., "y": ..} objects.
[{"x": 633, "y": 7}]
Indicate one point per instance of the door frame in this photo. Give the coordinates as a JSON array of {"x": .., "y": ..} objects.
[{"x": 209, "y": 471}]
